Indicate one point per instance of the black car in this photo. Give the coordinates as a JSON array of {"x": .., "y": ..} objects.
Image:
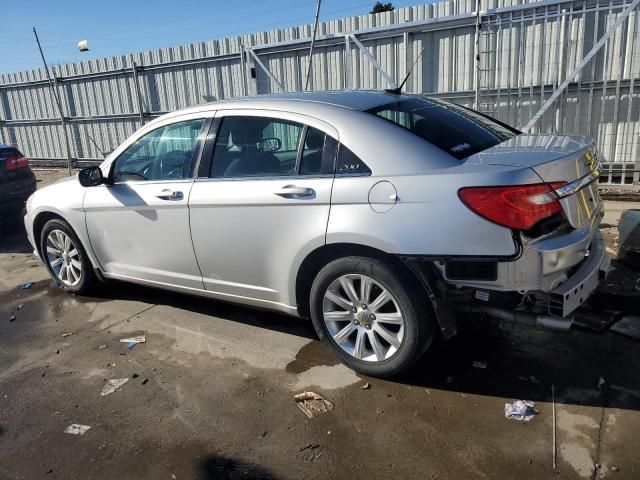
[{"x": 17, "y": 181}]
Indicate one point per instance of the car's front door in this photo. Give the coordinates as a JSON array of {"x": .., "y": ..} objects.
[
  {"x": 261, "y": 203},
  {"x": 138, "y": 224}
]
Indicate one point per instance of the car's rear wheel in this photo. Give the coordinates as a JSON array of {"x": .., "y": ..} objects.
[
  {"x": 371, "y": 315},
  {"x": 65, "y": 257}
]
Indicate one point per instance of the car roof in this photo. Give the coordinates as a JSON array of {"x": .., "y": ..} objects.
[
  {"x": 351, "y": 99},
  {"x": 297, "y": 102}
]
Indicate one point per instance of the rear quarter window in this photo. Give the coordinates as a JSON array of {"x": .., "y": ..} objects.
[{"x": 457, "y": 130}]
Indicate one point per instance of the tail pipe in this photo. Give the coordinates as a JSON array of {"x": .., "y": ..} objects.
[{"x": 541, "y": 321}]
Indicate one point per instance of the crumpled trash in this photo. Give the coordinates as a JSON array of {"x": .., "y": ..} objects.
[
  {"x": 112, "y": 385},
  {"x": 312, "y": 404},
  {"x": 521, "y": 410},
  {"x": 77, "y": 429},
  {"x": 26, "y": 285}
]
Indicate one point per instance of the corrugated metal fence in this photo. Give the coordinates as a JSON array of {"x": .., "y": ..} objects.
[{"x": 525, "y": 50}]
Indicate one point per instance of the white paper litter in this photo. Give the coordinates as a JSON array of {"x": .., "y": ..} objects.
[
  {"x": 112, "y": 385},
  {"x": 138, "y": 339},
  {"x": 133, "y": 341},
  {"x": 521, "y": 410},
  {"x": 77, "y": 429}
]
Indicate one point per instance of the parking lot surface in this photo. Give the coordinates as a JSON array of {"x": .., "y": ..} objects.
[{"x": 210, "y": 393}]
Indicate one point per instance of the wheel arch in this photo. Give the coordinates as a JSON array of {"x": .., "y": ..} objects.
[
  {"x": 39, "y": 222},
  {"x": 327, "y": 253}
]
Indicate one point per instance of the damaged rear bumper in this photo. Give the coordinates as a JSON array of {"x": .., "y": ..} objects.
[{"x": 564, "y": 299}]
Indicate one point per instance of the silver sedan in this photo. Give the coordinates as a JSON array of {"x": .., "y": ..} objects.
[{"x": 379, "y": 216}]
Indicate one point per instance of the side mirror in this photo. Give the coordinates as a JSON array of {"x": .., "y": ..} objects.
[{"x": 90, "y": 177}]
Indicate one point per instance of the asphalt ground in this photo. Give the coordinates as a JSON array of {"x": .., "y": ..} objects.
[{"x": 210, "y": 393}]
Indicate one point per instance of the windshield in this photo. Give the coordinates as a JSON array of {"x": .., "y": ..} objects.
[{"x": 457, "y": 130}]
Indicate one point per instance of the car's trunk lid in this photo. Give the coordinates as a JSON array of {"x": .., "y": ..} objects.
[{"x": 554, "y": 158}]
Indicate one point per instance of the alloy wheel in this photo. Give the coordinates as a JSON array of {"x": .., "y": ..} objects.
[
  {"x": 363, "y": 318},
  {"x": 63, "y": 258}
]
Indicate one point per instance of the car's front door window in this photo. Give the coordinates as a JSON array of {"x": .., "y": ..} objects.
[
  {"x": 162, "y": 154},
  {"x": 256, "y": 147}
]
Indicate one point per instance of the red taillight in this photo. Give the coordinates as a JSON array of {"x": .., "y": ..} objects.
[
  {"x": 13, "y": 162},
  {"x": 519, "y": 207}
]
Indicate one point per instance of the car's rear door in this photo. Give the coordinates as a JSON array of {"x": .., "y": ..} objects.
[
  {"x": 138, "y": 224},
  {"x": 261, "y": 203}
]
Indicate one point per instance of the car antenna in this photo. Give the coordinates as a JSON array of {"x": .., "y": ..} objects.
[{"x": 398, "y": 89}]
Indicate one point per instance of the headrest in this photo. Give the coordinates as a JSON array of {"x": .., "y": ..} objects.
[
  {"x": 315, "y": 139},
  {"x": 248, "y": 133}
]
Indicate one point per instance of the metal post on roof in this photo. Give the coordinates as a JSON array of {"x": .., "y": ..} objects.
[
  {"x": 348, "y": 63},
  {"x": 313, "y": 41},
  {"x": 54, "y": 92},
  {"x": 612, "y": 29},
  {"x": 374, "y": 62},
  {"x": 266, "y": 70},
  {"x": 476, "y": 72},
  {"x": 243, "y": 70},
  {"x": 136, "y": 85}
]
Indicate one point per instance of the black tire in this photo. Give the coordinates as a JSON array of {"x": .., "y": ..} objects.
[
  {"x": 88, "y": 278},
  {"x": 410, "y": 298}
]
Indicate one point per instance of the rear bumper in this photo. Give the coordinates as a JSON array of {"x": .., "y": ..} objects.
[
  {"x": 558, "y": 273},
  {"x": 14, "y": 195},
  {"x": 564, "y": 299}
]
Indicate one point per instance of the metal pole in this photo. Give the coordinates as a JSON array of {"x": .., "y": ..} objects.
[
  {"x": 348, "y": 64},
  {"x": 313, "y": 41},
  {"x": 476, "y": 72},
  {"x": 243, "y": 70},
  {"x": 623, "y": 16},
  {"x": 267, "y": 71},
  {"x": 138, "y": 94},
  {"x": 555, "y": 450},
  {"x": 374, "y": 62},
  {"x": 57, "y": 100}
]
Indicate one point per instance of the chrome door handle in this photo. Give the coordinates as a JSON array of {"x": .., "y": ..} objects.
[
  {"x": 291, "y": 191},
  {"x": 170, "y": 195}
]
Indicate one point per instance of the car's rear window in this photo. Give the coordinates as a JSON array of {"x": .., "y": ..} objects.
[
  {"x": 9, "y": 151},
  {"x": 457, "y": 130}
]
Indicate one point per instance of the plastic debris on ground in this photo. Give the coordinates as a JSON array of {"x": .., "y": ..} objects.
[
  {"x": 26, "y": 285},
  {"x": 77, "y": 429},
  {"x": 479, "y": 364},
  {"x": 366, "y": 386},
  {"x": 112, "y": 385},
  {"x": 521, "y": 410},
  {"x": 133, "y": 341},
  {"x": 312, "y": 404}
]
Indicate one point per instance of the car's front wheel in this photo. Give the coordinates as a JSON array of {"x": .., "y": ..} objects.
[
  {"x": 371, "y": 315},
  {"x": 65, "y": 257}
]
